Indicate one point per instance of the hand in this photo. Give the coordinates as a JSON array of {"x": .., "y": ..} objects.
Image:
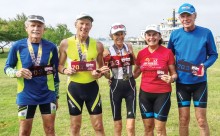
[
  {"x": 96, "y": 74},
  {"x": 69, "y": 71},
  {"x": 104, "y": 69},
  {"x": 25, "y": 73},
  {"x": 200, "y": 71},
  {"x": 167, "y": 78}
]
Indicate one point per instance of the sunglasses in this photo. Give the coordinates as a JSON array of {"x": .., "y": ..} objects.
[
  {"x": 36, "y": 17},
  {"x": 118, "y": 26}
]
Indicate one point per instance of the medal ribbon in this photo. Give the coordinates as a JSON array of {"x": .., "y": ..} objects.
[
  {"x": 82, "y": 55},
  {"x": 35, "y": 61}
]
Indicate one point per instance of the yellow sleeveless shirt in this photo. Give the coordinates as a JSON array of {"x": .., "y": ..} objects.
[{"x": 72, "y": 54}]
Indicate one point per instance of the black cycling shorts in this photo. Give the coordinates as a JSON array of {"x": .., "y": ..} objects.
[
  {"x": 79, "y": 93},
  {"x": 120, "y": 89},
  {"x": 184, "y": 93},
  {"x": 154, "y": 105},
  {"x": 28, "y": 111}
]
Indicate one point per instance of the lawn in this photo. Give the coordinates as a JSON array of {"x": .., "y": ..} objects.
[{"x": 9, "y": 121}]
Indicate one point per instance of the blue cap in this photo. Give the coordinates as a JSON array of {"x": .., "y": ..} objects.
[{"x": 186, "y": 8}]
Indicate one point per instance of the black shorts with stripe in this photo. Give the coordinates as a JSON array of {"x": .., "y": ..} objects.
[{"x": 88, "y": 93}]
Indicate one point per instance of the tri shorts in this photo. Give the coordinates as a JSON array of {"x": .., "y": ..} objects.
[
  {"x": 120, "y": 89},
  {"x": 154, "y": 105},
  {"x": 79, "y": 93},
  {"x": 28, "y": 111},
  {"x": 184, "y": 93}
]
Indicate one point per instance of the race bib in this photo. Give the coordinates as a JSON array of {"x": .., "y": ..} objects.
[
  {"x": 41, "y": 70},
  {"x": 83, "y": 65},
  {"x": 118, "y": 61},
  {"x": 189, "y": 67}
]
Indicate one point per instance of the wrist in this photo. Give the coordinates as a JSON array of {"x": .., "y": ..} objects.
[
  {"x": 63, "y": 71},
  {"x": 173, "y": 79}
]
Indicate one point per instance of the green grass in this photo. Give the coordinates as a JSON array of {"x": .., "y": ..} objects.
[{"x": 9, "y": 122}]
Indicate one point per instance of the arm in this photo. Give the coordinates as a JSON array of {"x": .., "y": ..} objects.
[
  {"x": 103, "y": 69},
  {"x": 132, "y": 52},
  {"x": 136, "y": 72},
  {"x": 171, "y": 78},
  {"x": 11, "y": 64},
  {"x": 211, "y": 51},
  {"x": 54, "y": 61},
  {"x": 62, "y": 59},
  {"x": 106, "y": 74}
]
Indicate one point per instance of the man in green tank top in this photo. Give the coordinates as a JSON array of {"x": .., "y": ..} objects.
[{"x": 81, "y": 59}]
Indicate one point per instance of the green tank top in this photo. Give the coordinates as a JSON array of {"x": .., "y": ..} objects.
[{"x": 72, "y": 54}]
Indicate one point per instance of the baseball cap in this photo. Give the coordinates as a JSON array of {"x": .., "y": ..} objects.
[
  {"x": 36, "y": 18},
  {"x": 186, "y": 8},
  {"x": 152, "y": 27},
  {"x": 117, "y": 27},
  {"x": 84, "y": 15}
]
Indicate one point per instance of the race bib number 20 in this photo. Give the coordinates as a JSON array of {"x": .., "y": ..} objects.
[{"x": 83, "y": 65}]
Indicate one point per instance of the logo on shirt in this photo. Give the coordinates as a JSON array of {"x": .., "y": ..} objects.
[{"x": 151, "y": 62}]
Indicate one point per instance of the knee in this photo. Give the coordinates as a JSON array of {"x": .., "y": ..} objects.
[
  {"x": 184, "y": 120},
  {"x": 75, "y": 128},
  {"x": 161, "y": 130},
  {"x": 149, "y": 128},
  {"x": 130, "y": 128},
  {"x": 202, "y": 122},
  {"x": 98, "y": 126},
  {"x": 49, "y": 130},
  {"x": 118, "y": 126}
]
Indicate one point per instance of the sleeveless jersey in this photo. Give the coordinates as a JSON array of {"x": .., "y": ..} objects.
[{"x": 73, "y": 55}]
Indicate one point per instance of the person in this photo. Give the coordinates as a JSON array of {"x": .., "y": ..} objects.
[
  {"x": 81, "y": 53},
  {"x": 195, "y": 51},
  {"x": 34, "y": 62},
  {"x": 119, "y": 58},
  {"x": 157, "y": 65}
]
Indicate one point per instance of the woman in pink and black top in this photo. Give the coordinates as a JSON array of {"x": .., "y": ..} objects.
[{"x": 156, "y": 63}]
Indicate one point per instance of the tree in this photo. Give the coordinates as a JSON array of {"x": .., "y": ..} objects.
[
  {"x": 57, "y": 34},
  {"x": 14, "y": 29}
]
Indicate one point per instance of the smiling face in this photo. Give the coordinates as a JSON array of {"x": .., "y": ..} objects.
[
  {"x": 188, "y": 21},
  {"x": 83, "y": 26},
  {"x": 152, "y": 38},
  {"x": 118, "y": 38},
  {"x": 35, "y": 31}
]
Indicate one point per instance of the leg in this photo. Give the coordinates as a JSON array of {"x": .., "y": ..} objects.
[
  {"x": 117, "y": 127},
  {"x": 25, "y": 127},
  {"x": 97, "y": 124},
  {"x": 148, "y": 127},
  {"x": 202, "y": 121},
  {"x": 48, "y": 123},
  {"x": 26, "y": 115},
  {"x": 160, "y": 126},
  {"x": 184, "y": 118},
  {"x": 131, "y": 107},
  {"x": 130, "y": 126},
  {"x": 75, "y": 125},
  {"x": 200, "y": 103},
  {"x": 48, "y": 112}
]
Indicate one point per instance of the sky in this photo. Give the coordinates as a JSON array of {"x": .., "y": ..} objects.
[{"x": 134, "y": 14}]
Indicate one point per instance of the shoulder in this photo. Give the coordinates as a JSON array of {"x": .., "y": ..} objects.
[
  {"x": 106, "y": 52},
  {"x": 100, "y": 46},
  {"x": 64, "y": 43},
  {"x": 201, "y": 29},
  {"x": 19, "y": 43}
]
